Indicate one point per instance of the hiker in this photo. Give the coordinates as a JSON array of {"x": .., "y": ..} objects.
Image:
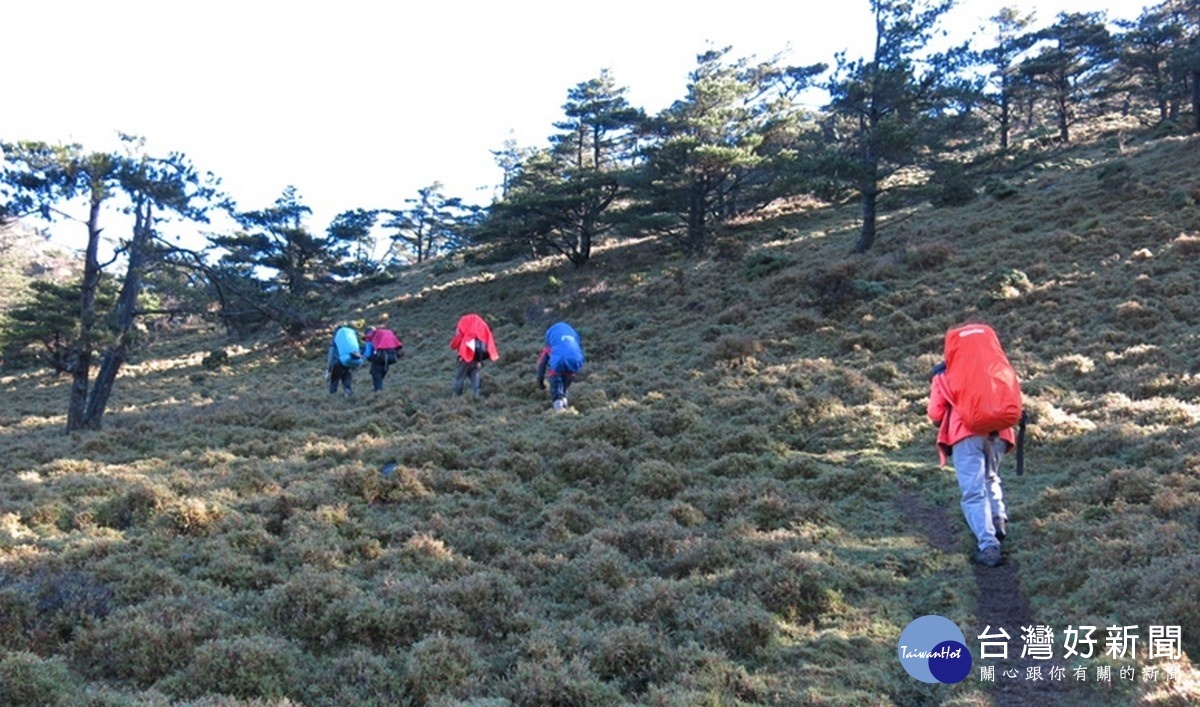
[
  {"x": 960, "y": 405},
  {"x": 382, "y": 348},
  {"x": 344, "y": 356},
  {"x": 474, "y": 344},
  {"x": 561, "y": 358}
]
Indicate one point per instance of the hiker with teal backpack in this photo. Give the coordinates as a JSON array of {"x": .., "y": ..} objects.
[
  {"x": 561, "y": 359},
  {"x": 382, "y": 348},
  {"x": 345, "y": 355},
  {"x": 975, "y": 400}
]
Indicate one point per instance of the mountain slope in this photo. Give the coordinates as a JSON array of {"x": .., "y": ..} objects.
[{"x": 743, "y": 506}]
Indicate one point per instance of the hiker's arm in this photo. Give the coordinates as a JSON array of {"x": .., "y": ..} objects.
[
  {"x": 543, "y": 360},
  {"x": 938, "y": 404}
]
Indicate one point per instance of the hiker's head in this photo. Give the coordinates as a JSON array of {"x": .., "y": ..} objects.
[{"x": 370, "y": 330}]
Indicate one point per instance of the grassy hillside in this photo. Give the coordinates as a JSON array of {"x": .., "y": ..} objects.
[{"x": 742, "y": 507}]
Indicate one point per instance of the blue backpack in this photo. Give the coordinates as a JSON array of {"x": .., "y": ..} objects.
[
  {"x": 565, "y": 348},
  {"x": 348, "y": 351}
]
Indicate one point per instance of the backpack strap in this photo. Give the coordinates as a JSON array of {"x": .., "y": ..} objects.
[{"x": 1021, "y": 444}]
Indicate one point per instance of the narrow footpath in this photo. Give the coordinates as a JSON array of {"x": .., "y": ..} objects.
[{"x": 999, "y": 605}]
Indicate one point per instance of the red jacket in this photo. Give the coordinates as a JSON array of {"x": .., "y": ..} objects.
[
  {"x": 951, "y": 429},
  {"x": 470, "y": 328}
]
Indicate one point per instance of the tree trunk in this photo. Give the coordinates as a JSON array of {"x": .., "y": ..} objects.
[
  {"x": 1005, "y": 115},
  {"x": 869, "y": 191},
  {"x": 123, "y": 316},
  {"x": 587, "y": 228},
  {"x": 866, "y": 236},
  {"x": 1196, "y": 101},
  {"x": 695, "y": 223},
  {"x": 81, "y": 368},
  {"x": 1064, "y": 116}
]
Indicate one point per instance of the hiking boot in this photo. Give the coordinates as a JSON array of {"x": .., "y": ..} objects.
[
  {"x": 989, "y": 557},
  {"x": 1001, "y": 528},
  {"x": 560, "y": 404}
]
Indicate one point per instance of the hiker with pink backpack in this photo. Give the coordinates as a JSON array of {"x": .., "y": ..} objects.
[
  {"x": 382, "y": 348},
  {"x": 975, "y": 399}
]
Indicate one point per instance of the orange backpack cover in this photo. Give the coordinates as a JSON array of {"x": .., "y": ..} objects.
[{"x": 982, "y": 383}]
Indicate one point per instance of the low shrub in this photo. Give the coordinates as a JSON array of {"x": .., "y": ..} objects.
[
  {"x": 47, "y": 608},
  {"x": 1115, "y": 175},
  {"x": 658, "y": 479},
  {"x": 361, "y": 677},
  {"x": 136, "y": 507},
  {"x": 950, "y": 185},
  {"x": 616, "y": 427},
  {"x": 999, "y": 189},
  {"x": 599, "y": 462},
  {"x": 646, "y": 540},
  {"x": 735, "y": 314},
  {"x": 311, "y": 606},
  {"x": 634, "y": 657},
  {"x": 552, "y": 681},
  {"x": 246, "y": 667},
  {"x": 796, "y": 588},
  {"x": 736, "y": 348},
  {"x": 29, "y": 680},
  {"x": 595, "y": 575},
  {"x": 491, "y": 602},
  {"x": 760, "y": 264},
  {"x": 738, "y": 629},
  {"x": 146, "y": 642},
  {"x": 444, "y": 666},
  {"x": 195, "y": 517},
  {"x": 215, "y": 359},
  {"x": 920, "y": 257}
]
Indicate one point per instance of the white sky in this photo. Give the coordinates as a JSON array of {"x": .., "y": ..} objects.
[{"x": 360, "y": 103}]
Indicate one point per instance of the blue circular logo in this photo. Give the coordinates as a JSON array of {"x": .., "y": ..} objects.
[{"x": 933, "y": 649}]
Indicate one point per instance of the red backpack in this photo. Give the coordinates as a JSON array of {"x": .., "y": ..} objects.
[{"x": 983, "y": 385}]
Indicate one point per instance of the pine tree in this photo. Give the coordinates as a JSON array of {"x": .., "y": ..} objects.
[
  {"x": 559, "y": 198},
  {"x": 888, "y": 111},
  {"x": 1067, "y": 69},
  {"x": 1012, "y": 39},
  {"x": 703, "y": 147},
  {"x": 432, "y": 224},
  {"x": 272, "y": 268},
  {"x": 39, "y": 178}
]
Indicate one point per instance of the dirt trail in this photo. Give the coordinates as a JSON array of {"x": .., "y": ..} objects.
[{"x": 1000, "y": 605}]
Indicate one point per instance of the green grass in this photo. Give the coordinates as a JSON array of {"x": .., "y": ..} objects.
[{"x": 715, "y": 522}]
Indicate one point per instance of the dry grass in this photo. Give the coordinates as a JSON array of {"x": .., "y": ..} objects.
[{"x": 715, "y": 524}]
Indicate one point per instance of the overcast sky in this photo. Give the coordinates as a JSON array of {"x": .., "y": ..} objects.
[{"x": 360, "y": 103}]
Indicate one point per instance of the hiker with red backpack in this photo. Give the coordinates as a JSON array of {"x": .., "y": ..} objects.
[
  {"x": 975, "y": 399},
  {"x": 382, "y": 348},
  {"x": 475, "y": 345}
]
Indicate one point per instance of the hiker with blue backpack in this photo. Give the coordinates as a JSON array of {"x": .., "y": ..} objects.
[
  {"x": 474, "y": 345},
  {"x": 975, "y": 400},
  {"x": 345, "y": 354},
  {"x": 382, "y": 348},
  {"x": 561, "y": 359}
]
